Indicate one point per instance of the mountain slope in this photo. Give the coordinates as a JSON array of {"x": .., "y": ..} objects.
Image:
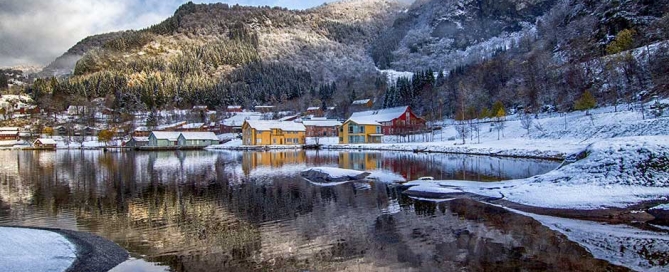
[
  {"x": 443, "y": 34},
  {"x": 208, "y": 53}
]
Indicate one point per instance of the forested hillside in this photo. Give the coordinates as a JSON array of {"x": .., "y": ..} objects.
[
  {"x": 466, "y": 55},
  {"x": 218, "y": 55},
  {"x": 615, "y": 50}
]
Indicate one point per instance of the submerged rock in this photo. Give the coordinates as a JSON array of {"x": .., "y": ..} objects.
[{"x": 332, "y": 175}]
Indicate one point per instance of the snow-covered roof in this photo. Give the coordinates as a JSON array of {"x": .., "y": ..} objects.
[
  {"x": 313, "y": 108},
  {"x": 178, "y": 124},
  {"x": 289, "y": 118},
  {"x": 234, "y": 107},
  {"x": 199, "y": 107},
  {"x": 166, "y": 135},
  {"x": 200, "y": 136},
  {"x": 264, "y": 125},
  {"x": 361, "y": 102},
  {"x": 362, "y": 121},
  {"x": 239, "y": 118},
  {"x": 46, "y": 141},
  {"x": 140, "y": 139},
  {"x": 380, "y": 116},
  {"x": 9, "y": 133},
  {"x": 321, "y": 123},
  {"x": 264, "y": 107},
  {"x": 193, "y": 125},
  {"x": 9, "y": 128}
]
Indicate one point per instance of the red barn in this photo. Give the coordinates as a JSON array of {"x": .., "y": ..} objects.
[{"x": 394, "y": 121}]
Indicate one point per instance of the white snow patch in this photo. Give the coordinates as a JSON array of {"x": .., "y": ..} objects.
[
  {"x": 622, "y": 245},
  {"x": 610, "y": 176},
  {"x": 24, "y": 249}
]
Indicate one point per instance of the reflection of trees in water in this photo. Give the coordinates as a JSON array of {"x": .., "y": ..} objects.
[{"x": 194, "y": 211}]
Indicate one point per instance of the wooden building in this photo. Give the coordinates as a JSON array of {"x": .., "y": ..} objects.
[
  {"x": 394, "y": 121},
  {"x": 322, "y": 128},
  {"x": 360, "y": 131},
  {"x": 260, "y": 132}
]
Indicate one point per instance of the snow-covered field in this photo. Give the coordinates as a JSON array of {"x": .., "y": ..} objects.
[
  {"x": 616, "y": 173},
  {"x": 550, "y": 136},
  {"x": 625, "y": 158}
]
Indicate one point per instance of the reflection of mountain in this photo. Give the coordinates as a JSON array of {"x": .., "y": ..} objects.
[{"x": 198, "y": 211}]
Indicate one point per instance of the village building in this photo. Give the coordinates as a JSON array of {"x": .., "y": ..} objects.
[
  {"x": 192, "y": 127},
  {"x": 234, "y": 123},
  {"x": 9, "y": 133},
  {"x": 200, "y": 108},
  {"x": 264, "y": 109},
  {"x": 43, "y": 143},
  {"x": 261, "y": 132},
  {"x": 363, "y": 103},
  {"x": 315, "y": 111},
  {"x": 77, "y": 110},
  {"x": 394, "y": 121},
  {"x": 360, "y": 131},
  {"x": 197, "y": 139},
  {"x": 322, "y": 128},
  {"x": 233, "y": 109},
  {"x": 163, "y": 138},
  {"x": 137, "y": 142}
]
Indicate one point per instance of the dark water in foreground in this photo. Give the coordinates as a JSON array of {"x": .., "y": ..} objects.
[{"x": 242, "y": 211}]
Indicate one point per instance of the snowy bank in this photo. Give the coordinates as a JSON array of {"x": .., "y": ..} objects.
[
  {"x": 616, "y": 173},
  {"x": 640, "y": 250},
  {"x": 29, "y": 249},
  {"x": 34, "y": 250}
]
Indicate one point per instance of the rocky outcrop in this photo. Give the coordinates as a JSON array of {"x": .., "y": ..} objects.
[{"x": 332, "y": 175}]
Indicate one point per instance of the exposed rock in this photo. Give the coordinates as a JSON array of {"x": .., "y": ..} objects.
[{"x": 333, "y": 175}]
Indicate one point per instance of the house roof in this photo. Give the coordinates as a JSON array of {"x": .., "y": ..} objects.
[
  {"x": 46, "y": 141},
  {"x": 166, "y": 135},
  {"x": 200, "y": 136},
  {"x": 313, "y": 108},
  {"x": 321, "y": 123},
  {"x": 9, "y": 133},
  {"x": 264, "y": 125},
  {"x": 380, "y": 116},
  {"x": 9, "y": 128},
  {"x": 193, "y": 125},
  {"x": 234, "y": 107},
  {"x": 239, "y": 118},
  {"x": 177, "y": 124},
  {"x": 140, "y": 139},
  {"x": 362, "y": 121},
  {"x": 361, "y": 102}
]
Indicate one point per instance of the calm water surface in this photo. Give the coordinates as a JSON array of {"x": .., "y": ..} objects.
[{"x": 243, "y": 211}]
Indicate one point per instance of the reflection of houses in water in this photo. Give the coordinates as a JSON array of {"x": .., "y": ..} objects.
[
  {"x": 366, "y": 161},
  {"x": 360, "y": 161},
  {"x": 254, "y": 160}
]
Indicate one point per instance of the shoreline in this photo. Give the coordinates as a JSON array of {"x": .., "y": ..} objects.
[{"x": 93, "y": 252}]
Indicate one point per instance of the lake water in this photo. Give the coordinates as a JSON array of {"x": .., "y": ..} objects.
[{"x": 246, "y": 211}]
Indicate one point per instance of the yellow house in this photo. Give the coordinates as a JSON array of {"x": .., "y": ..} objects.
[
  {"x": 262, "y": 132},
  {"x": 360, "y": 131}
]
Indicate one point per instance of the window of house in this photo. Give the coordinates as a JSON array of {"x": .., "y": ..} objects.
[
  {"x": 259, "y": 141},
  {"x": 350, "y": 128},
  {"x": 378, "y": 130}
]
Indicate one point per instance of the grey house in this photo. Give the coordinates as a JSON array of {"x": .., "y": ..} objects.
[
  {"x": 137, "y": 142},
  {"x": 163, "y": 138},
  {"x": 197, "y": 139}
]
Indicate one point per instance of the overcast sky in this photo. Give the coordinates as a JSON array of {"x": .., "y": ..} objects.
[{"x": 35, "y": 32}]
